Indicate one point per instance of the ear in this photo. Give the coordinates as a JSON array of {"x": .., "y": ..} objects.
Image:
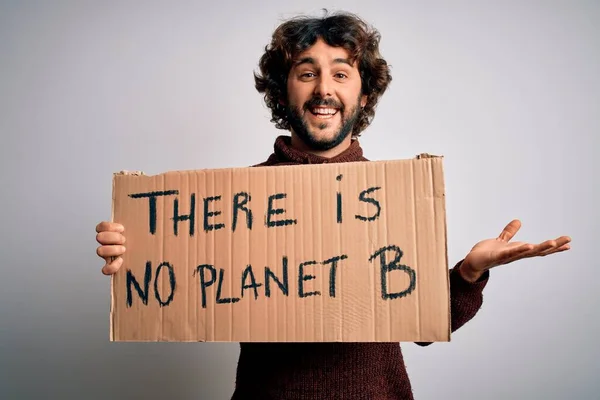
[{"x": 363, "y": 100}]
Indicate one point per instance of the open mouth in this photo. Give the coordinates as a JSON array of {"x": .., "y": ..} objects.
[{"x": 323, "y": 112}]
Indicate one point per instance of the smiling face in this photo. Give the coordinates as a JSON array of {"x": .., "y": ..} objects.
[{"x": 324, "y": 96}]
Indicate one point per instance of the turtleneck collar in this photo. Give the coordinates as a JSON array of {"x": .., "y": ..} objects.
[{"x": 284, "y": 153}]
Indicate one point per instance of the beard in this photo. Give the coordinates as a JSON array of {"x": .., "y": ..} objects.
[{"x": 300, "y": 127}]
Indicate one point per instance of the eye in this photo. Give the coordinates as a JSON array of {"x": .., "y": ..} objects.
[
  {"x": 307, "y": 75},
  {"x": 341, "y": 75}
]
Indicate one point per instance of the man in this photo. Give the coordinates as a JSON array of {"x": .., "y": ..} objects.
[{"x": 322, "y": 79}]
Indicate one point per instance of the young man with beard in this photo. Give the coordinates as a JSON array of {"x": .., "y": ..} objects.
[{"x": 322, "y": 78}]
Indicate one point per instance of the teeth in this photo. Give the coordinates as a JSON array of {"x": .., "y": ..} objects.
[{"x": 324, "y": 111}]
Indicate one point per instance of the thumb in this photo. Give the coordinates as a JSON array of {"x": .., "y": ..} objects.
[{"x": 510, "y": 230}]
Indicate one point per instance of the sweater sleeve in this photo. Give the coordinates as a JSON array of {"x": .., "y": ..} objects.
[{"x": 466, "y": 298}]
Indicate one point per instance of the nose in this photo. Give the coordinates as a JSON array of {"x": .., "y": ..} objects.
[{"x": 323, "y": 87}]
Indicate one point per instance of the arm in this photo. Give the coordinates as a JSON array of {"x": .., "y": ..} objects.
[
  {"x": 466, "y": 298},
  {"x": 470, "y": 276}
]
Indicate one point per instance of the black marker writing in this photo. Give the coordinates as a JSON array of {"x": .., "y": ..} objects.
[
  {"x": 302, "y": 278},
  {"x": 363, "y": 197},
  {"x": 277, "y": 211},
  {"x": 189, "y": 217},
  {"x": 171, "y": 284},
  {"x": 339, "y": 202},
  {"x": 208, "y": 214},
  {"x": 151, "y": 196},
  {"x": 332, "y": 272},
  {"x": 393, "y": 266},
  {"x": 143, "y": 293},
  {"x": 253, "y": 285},
  {"x": 270, "y": 275},
  {"x": 237, "y": 205},
  {"x": 226, "y": 300}
]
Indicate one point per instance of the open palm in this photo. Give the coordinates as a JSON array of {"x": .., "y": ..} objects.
[{"x": 490, "y": 253}]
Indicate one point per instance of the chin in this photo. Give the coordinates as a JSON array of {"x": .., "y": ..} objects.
[
  {"x": 320, "y": 135},
  {"x": 323, "y": 137},
  {"x": 322, "y": 142}
]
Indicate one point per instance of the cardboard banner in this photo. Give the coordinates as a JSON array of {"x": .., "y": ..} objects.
[{"x": 310, "y": 253}]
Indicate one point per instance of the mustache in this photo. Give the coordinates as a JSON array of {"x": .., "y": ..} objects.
[{"x": 316, "y": 101}]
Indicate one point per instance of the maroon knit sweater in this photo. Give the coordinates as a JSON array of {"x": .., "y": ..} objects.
[{"x": 332, "y": 371}]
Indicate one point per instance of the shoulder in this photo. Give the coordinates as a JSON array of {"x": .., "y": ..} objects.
[{"x": 272, "y": 160}]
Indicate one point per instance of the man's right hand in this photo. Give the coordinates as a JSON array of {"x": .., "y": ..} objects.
[{"x": 111, "y": 239}]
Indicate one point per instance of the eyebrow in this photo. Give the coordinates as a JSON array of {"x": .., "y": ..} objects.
[{"x": 310, "y": 60}]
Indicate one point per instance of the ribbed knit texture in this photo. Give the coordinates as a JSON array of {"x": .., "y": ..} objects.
[{"x": 332, "y": 371}]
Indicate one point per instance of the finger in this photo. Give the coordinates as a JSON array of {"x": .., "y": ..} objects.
[
  {"x": 106, "y": 226},
  {"x": 550, "y": 246},
  {"x": 534, "y": 251},
  {"x": 543, "y": 249},
  {"x": 112, "y": 267},
  {"x": 563, "y": 240},
  {"x": 108, "y": 238},
  {"x": 562, "y": 248},
  {"x": 110, "y": 251},
  {"x": 510, "y": 230},
  {"x": 510, "y": 254}
]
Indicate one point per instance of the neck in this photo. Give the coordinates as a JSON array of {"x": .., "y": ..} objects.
[{"x": 298, "y": 144}]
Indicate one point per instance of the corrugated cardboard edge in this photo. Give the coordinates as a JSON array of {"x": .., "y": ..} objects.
[
  {"x": 112, "y": 278},
  {"x": 425, "y": 156}
]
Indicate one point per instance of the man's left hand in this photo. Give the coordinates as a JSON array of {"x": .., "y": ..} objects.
[{"x": 490, "y": 253}]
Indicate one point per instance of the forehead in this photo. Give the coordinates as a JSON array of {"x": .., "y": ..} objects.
[{"x": 322, "y": 53}]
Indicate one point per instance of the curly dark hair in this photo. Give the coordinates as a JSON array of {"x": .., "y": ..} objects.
[{"x": 337, "y": 29}]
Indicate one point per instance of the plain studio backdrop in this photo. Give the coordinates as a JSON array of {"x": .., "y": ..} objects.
[{"x": 508, "y": 92}]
